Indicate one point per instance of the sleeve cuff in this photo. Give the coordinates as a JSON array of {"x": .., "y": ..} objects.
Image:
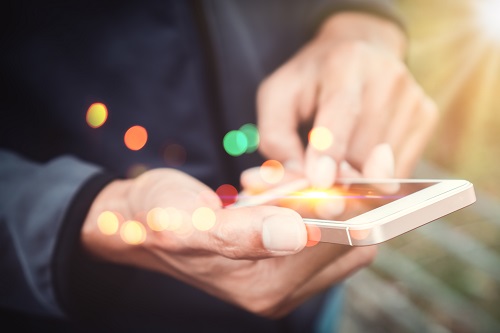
[
  {"x": 68, "y": 241},
  {"x": 382, "y": 9}
]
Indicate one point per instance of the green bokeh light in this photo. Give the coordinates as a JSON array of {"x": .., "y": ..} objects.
[
  {"x": 252, "y": 135},
  {"x": 235, "y": 143}
]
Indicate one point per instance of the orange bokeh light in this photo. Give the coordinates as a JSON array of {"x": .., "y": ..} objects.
[
  {"x": 313, "y": 235},
  {"x": 272, "y": 171},
  {"x": 136, "y": 137}
]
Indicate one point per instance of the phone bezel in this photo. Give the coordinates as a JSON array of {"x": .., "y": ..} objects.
[{"x": 399, "y": 216}]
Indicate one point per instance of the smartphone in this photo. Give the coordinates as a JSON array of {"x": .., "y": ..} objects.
[{"x": 368, "y": 211}]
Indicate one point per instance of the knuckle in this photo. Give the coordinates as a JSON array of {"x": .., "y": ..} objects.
[
  {"x": 355, "y": 48},
  {"x": 264, "y": 87},
  {"x": 428, "y": 112},
  {"x": 344, "y": 53},
  {"x": 398, "y": 69},
  {"x": 270, "y": 143},
  {"x": 276, "y": 80}
]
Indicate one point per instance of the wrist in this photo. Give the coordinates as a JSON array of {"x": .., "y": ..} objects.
[
  {"x": 356, "y": 26},
  {"x": 112, "y": 198}
]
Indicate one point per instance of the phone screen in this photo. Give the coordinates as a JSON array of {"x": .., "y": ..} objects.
[
  {"x": 345, "y": 201},
  {"x": 360, "y": 212}
]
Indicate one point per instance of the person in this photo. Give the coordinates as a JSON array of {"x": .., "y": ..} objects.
[{"x": 185, "y": 73}]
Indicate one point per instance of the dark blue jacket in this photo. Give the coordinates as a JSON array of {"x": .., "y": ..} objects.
[{"x": 187, "y": 71}]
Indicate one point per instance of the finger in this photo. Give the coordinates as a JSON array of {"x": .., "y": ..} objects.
[
  {"x": 411, "y": 148},
  {"x": 346, "y": 170},
  {"x": 338, "y": 110},
  {"x": 380, "y": 162},
  {"x": 256, "y": 232},
  {"x": 411, "y": 128},
  {"x": 377, "y": 111},
  {"x": 380, "y": 165},
  {"x": 278, "y": 117},
  {"x": 273, "y": 196},
  {"x": 252, "y": 181}
]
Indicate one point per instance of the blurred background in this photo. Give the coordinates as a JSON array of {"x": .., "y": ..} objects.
[{"x": 445, "y": 276}]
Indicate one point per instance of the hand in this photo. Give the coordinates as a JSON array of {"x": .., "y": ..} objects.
[
  {"x": 350, "y": 80},
  {"x": 253, "y": 257}
]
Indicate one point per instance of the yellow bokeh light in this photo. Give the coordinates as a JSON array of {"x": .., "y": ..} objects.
[
  {"x": 203, "y": 218},
  {"x": 320, "y": 138},
  {"x": 133, "y": 232},
  {"x": 107, "y": 222},
  {"x": 157, "y": 219},
  {"x": 272, "y": 171},
  {"x": 324, "y": 204},
  {"x": 97, "y": 114},
  {"x": 315, "y": 194},
  {"x": 174, "y": 219}
]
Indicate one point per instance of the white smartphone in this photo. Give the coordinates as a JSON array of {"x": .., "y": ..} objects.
[{"x": 370, "y": 211}]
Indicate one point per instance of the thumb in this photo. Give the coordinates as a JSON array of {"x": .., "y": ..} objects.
[{"x": 257, "y": 232}]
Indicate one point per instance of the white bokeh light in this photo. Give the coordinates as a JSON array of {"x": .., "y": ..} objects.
[{"x": 488, "y": 16}]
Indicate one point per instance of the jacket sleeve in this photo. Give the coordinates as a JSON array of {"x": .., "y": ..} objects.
[
  {"x": 42, "y": 208},
  {"x": 383, "y": 8}
]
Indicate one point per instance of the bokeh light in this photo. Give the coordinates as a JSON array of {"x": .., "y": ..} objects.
[
  {"x": 203, "y": 218},
  {"x": 133, "y": 232},
  {"x": 157, "y": 219},
  {"x": 227, "y": 193},
  {"x": 97, "y": 114},
  {"x": 235, "y": 143},
  {"x": 252, "y": 134},
  {"x": 174, "y": 218},
  {"x": 107, "y": 222},
  {"x": 272, "y": 171},
  {"x": 359, "y": 234},
  {"x": 320, "y": 138},
  {"x": 488, "y": 17},
  {"x": 313, "y": 235},
  {"x": 136, "y": 137},
  {"x": 174, "y": 155},
  {"x": 136, "y": 170}
]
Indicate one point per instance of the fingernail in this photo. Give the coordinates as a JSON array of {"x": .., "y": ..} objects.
[
  {"x": 347, "y": 171},
  {"x": 282, "y": 233},
  {"x": 251, "y": 173},
  {"x": 380, "y": 162},
  {"x": 324, "y": 173}
]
